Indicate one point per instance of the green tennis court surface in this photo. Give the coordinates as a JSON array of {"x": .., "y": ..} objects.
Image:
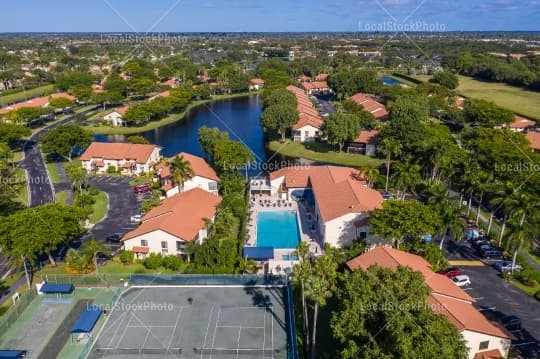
[{"x": 221, "y": 322}]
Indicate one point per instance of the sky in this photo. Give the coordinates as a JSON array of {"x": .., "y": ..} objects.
[{"x": 142, "y": 16}]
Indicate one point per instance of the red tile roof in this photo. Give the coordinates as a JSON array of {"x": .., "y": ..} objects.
[
  {"x": 164, "y": 93},
  {"x": 321, "y": 77},
  {"x": 337, "y": 190},
  {"x": 534, "y": 139},
  {"x": 307, "y": 114},
  {"x": 257, "y": 81},
  {"x": 377, "y": 109},
  {"x": 446, "y": 298},
  {"x": 199, "y": 166},
  {"x": 138, "y": 249},
  {"x": 181, "y": 215},
  {"x": 489, "y": 354},
  {"x": 122, "y": 110},
  {"x": 522, "y": 122},
  {"x": 118, "y": 151},
  {"x": 316, "y": 85},
  {"x": 36, "y": 102},
  {"x": 369, "y": 137}
]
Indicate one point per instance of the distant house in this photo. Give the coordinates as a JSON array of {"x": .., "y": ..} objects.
[
  {"x": 172, "y": 82},
  {"x": 178, "y": 220},
  {"x": 337, "y": 198},
  {"x": 534, "y": 139},
  {"x": 310, "y": 123},
  {"x": 370, "y": 105},
  {"x": 127, "y": 158},
  {"x": 115, "y": 118},
  {"x": 36, "y": 102},
  {"x": 365, "y": 143},
  {"x": 483, "y": 338},
  {"x": 522, "y": 124},
  {"x": 303, "y": 78},
  {"x": 316, "y": 87},
  {"x": 256, "y": 84},
  {"x": 166, "y": 93},
  {"x": 204, "y": 176},
  {"x": 321, "y": 77}
]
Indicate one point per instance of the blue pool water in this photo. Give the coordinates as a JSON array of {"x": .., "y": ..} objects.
[
  {"x": 390, "y": 81},
  {"x": 277, "y": 229}
]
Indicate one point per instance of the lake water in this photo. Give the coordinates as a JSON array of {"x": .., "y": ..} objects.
[{"x": 240, "y": 117}]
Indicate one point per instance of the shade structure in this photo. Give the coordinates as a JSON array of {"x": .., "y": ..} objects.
[
  {"x": 12, "y": 354},
  {"x": 259, "y": 253},
  {"x": 87, "y": 320},
  {"x": 54, "y": 288}
]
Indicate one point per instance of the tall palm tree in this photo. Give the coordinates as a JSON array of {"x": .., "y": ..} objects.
[
  {"x": 301, "y": 274},
  {"x": 91, "y": 249},
  {"x": 181, "y": 171},
  {"x": 504, "y": 200},
  {"x": 522, "y": 233},
  {"x": 452, "y": 223},
  {"x": 246, "y": 266},
  {"x": 371, "y": 174},
  {"x": 406, "y": 177},
  {"x": 484, "y": 183},
  {"x": 439, "y": 197},
  {"x": 391, "y": 148}
]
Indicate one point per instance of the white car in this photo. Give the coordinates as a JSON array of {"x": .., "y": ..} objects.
[
  {"x": 136, "y": 218},
  {"x": 461, "y": 280}
]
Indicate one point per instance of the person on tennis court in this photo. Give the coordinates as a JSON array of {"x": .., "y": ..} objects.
[{"x": 190, "y": 301}]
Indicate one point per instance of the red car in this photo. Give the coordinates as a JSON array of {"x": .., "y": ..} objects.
[
  {"x": 141, "y": 188},
  {"x": 450, "y": 272}
]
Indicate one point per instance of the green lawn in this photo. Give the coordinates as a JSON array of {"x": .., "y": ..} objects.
[
  {"x": 99, "y": 208},
  {"x": 108, "y": 130},
  {"x": 321, "y": 152},
  {"x": 61, "y": 197},
  {"x": 529, "y": 290},
  {"x": 53, "y": 172},
  {"x": 18, "y": 156},
  {"x": 22, "y": 192},
  {"x": 23, "y": 95}
]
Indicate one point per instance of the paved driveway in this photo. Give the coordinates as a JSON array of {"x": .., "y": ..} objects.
[
  {"x": 123, "y": 203},
  {"x": 496, "y": 298}
]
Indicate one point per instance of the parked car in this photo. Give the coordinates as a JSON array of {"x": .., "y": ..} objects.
[
  {"x": 450, "y": 272},
  {"x": 103, "y": 258},
  {"x": 115, "y": 238},
  {"x": 511, "y": 322},
  {"x": 461, "y": 280},
  {"x": 506, "y": 266},
  {"x": 486, "y": 248},
  {"x": 387, "y": 195},
  {"x": 142, "y": 188},
  {"x": 479, "y": 243},
  {"x": 493, "y": 255},
  {"x": 136, "y": 218}
]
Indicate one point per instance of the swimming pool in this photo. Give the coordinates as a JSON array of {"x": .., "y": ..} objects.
[
  {"x": 387, "y": 80},
  {"x": 277, "y": 229}
]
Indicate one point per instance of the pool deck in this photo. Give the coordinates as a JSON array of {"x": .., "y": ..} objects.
[{"x": 312, "y": 238}]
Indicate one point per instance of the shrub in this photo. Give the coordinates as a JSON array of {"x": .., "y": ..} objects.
[
  {"x": 111, "y": 170},
  {"x": 537, "y": 295},
  {"x": 126, "y": 257},
  {"x": 153, "y": 261},
  {"x": 93, "y": 191},
  {"x": 528, "y": 277},
  {"x": 172, "y": 263}
]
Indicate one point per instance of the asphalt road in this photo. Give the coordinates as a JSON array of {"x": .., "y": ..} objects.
[
  {"x": 123, "y": 203},
  {"x": 326, "y": 105}
]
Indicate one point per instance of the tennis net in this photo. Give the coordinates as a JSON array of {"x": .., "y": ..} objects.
[
  {"x": 112, "y": 351},
  {"x": 238, "y": 351}
]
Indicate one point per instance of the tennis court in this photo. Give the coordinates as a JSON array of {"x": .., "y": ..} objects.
[{"x": 196, "y": 322}]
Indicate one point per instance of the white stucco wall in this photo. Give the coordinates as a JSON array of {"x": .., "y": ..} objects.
[
  {"x": 140, "y": 167},
  {"x": 371, "y": 150},
  {"x": 154, "y": 241},
  {"x": 311, "y": 134},
  {"x": 341, "y": 231},
  {"x": 276, "y": 183},
  {"x": 473, "y": 340},
  {"x": 114, "y": 118},
  {"x": 200, "y": 182}
]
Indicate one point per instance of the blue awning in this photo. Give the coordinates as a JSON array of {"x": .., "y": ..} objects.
[
  {"x": 259, "y": 253},
  {"x": 12, "y": 354},
  {"x": 56, "y": 288},
  {"x": 87, "y": 320}
]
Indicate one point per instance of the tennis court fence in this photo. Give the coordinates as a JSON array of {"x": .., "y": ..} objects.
[{"x": 16, "y": 309}]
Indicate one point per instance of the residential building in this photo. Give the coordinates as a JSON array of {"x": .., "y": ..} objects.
[
  {"x": 522, "y": 124},
  {"x": 256, "y": 84},
  {"x": 316, "y": 87},
  {"x": 365, "y": 144},
  {"x": 178, "y": 220},
  {"x": 481, "y": 336},
  {"x": 166, "y": 93},
  {"x": 130, "y": 159},
  {"x": 321, "y": 77},
  {"x": 36, "y": 102},
  {"x": 115, "y": 118},
  {"x": 534, "y": 139},
  {"x": 337, "y": 197},
  {"x": 376, "y": 108},
  {"x": 309, "y": 125},
  {"x": 204, "y": 176}
]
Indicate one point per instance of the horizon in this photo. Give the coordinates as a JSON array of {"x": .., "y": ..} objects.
[{"x": 241, "y": 16}]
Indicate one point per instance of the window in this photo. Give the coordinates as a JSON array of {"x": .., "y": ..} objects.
[
  {"x": 306, "y": 133},
  {"x": 144, "y": 243},
  {"x": 484, "y": 345},
  {"x": 212, "y": 186},
  {"x": 179, "y": 246},
  {"x": 164, "y": 245}
]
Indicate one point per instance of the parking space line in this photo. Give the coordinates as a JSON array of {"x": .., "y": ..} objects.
[
  {"x": 490, "y": 308},
  {"x": 479, "y": 298},
  {"x": 467, "y": 288}
]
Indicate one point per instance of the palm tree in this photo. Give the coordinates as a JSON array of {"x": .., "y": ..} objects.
[
  {"x": 371, "y": 174},
  {"x": 319, "y": 288},
  {"x": 246, "y": 266},
  {"x": 391, "y": 148},
  {"x": 451, "y": 222},
  {"x": 504, "y": 200},
  {"x": 181, "y": 171},
  {"x": 522, "y": 233},
  {"x": 406, "y": 177},
  {"x": 301, "y": 273},
  {"x": 439, "y": 197},
  {"x": 485, "y": 180},
  {"x": 91, "y": 249}
]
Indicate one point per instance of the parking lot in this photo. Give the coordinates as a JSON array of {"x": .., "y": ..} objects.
[{"x": 123, "y": 203}]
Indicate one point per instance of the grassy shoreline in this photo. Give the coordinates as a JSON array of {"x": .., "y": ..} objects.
[
  {"x": 321, "y": 152},
  {"x": 107, "y": 130}
]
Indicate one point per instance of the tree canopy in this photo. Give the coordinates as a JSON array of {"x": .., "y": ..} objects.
[{"x": 65, "y": 139}]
